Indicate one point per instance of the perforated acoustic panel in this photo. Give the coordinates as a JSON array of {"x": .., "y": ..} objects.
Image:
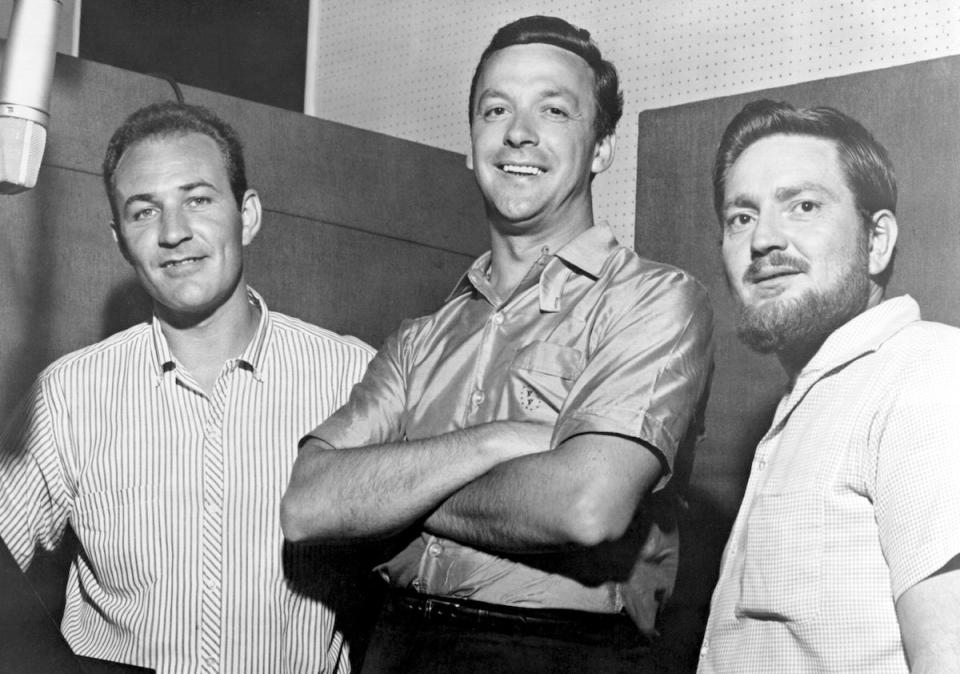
[{"x": 404, "y": 68}]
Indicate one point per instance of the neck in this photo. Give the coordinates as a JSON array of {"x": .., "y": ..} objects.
[
  {"x": 796, "y": 357},
  {"x": 793, "y": 360},
  {"x": 204, "y": 344},
  {"x": 513, "y": 251}
]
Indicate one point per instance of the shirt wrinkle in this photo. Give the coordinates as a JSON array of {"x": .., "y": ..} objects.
[
  {"x": 850, "y": 475},
  {"x": 162, "y": 487},
  {"x": 473, "y": 362},
  {"x": 586, "y": 254},
  {"x": 862, "y": 335}
]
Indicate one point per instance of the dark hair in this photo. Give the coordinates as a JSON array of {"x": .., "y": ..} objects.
[
  {"x": 866, "y": 165},
  {"x": 172, "y": 118},
  {"x": 559, "y": 33}
]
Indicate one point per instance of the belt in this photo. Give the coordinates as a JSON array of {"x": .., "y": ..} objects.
[{"x": 585, "y": 627}]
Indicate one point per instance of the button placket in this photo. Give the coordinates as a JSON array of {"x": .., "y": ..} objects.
[{"x": 211, "y": 552}]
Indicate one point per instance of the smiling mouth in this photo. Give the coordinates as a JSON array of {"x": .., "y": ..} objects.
[
  {"x": 521, "y": 169},
  {"x": 180, "y": 262},
  {"x": 773, "y": 275}
]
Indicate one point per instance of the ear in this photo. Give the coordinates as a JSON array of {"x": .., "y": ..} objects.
[
  {"x": 883, "y": 239},
  {"x": 603, "y": 153},
  {"x": 118, "y": 239},
  {"x": 251, "y": 213}
]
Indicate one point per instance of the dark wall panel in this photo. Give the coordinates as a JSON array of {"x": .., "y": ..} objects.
[
  {"x": 912, "y": 110},
  {"x": 360, "y": 229},
  {"x": 303, "y": 166},
  {"x": 348, "y": 280},
  {"x": 253, "y": 49}
]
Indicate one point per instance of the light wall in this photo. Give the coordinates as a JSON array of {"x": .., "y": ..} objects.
[{"x": 404, "y": 68}]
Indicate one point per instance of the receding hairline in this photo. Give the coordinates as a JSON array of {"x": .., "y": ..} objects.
[
  {"x": 165, "y": 135},
  {"x": 586, "y": 70}
]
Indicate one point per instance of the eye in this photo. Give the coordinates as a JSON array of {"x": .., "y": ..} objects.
[
  {"x": 197, "y": 201},
  {"x": 806, "y": 206},
  {"x": 143, "y": 214},
  {"x": 738, "y": 222},
  {"x": 557, "y": 112},
  {"x": 494, "y": 112}
]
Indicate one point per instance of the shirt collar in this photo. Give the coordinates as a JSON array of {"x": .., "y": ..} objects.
[
  {"x": 252, "y": 358},
  {"x": 863, "y": 334},
  {"x": 589, "y": 251},
  {"x": 585, "y": 254}
]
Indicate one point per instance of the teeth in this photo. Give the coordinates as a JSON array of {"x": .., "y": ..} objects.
[
  {"x": 522, "y": 170},
  {"x": 175, "y": 263}
]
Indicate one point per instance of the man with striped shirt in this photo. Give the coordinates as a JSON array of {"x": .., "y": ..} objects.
[{"x": 166, "y": 447}]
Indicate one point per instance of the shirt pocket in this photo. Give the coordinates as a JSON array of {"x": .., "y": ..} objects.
[
  {"x": 540, "y": 378},
  {"x": 122, "y": 533},
  {"x": 783, "y": 560}
]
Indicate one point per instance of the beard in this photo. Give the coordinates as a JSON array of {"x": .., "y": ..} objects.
[{"x": 800, "y": 325}]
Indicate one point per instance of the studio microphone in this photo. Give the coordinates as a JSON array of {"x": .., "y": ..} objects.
[{"x": 25, "y": 81}]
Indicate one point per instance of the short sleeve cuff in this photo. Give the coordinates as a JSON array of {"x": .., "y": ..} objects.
[{"x": 628, "y": 423}]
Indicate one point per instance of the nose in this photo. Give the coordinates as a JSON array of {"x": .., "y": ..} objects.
[
  {"x": 521, "y": 130},
  {"x": 767, "y": 235},
  {"x": 174, "y": 228}
]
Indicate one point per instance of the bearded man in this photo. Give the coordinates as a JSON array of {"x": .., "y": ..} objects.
[{"x": 845, "y": 554}]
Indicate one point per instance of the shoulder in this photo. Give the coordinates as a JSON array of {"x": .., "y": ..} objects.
[
  {"x": 418, "y": 330},
  {"x": 920, "y": 365},
  {"x": 288, "y": 329},
  {"x": 924, "y": 344},
  {"x": 114, "y": 351},
  {"x": 637, "y": 280}
]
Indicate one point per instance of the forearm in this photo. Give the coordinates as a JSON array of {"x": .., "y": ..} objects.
[
  {"x": 377, "y": 491},
  {"x": 581, "y": 494},
  {"x": 504, "y": 511}
]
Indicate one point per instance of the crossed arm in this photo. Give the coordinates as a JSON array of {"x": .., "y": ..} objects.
[
  {"x": 583, "y": 493},
  {"x": 499, "y": 488},
  {"x": 375, "y": 491}
]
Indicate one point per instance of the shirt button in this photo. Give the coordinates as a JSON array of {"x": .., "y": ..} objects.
[
  {"x": 705, "y": 648},
  {"x": 477, "y": 397},
  {"x": 762, "y": 464},
  {"x": 498, "y": 318},
  {"x": 210, "y": 583},
  {"x": 434, "y": 549}
]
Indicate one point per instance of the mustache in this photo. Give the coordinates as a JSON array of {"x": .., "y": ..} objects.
[{"x": 776, "y": 259}]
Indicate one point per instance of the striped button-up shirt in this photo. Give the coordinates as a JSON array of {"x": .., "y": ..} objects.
[
  {"x": 174, "y": 496},
  {"x": 853, "y": 498}
]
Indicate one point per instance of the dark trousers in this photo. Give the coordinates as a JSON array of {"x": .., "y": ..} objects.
[{"x": 417, "y": 633}]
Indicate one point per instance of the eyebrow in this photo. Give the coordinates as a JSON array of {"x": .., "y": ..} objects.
[
  {"x": 787, "y": 193},
  {"x": 781, "y": 194},
  {"x": 740, "y": 201},
  {"x": 551, "y": 92},
  {"x": 148, "y": 197}
]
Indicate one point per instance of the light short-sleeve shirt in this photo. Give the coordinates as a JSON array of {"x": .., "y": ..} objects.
[
  {"x": 174, "y": 497},
  {"x": 594, "y": 340},
  {"x": 853, "y": 498}
]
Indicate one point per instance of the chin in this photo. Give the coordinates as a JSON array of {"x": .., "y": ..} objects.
[{"x": 802, "y": 320}]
